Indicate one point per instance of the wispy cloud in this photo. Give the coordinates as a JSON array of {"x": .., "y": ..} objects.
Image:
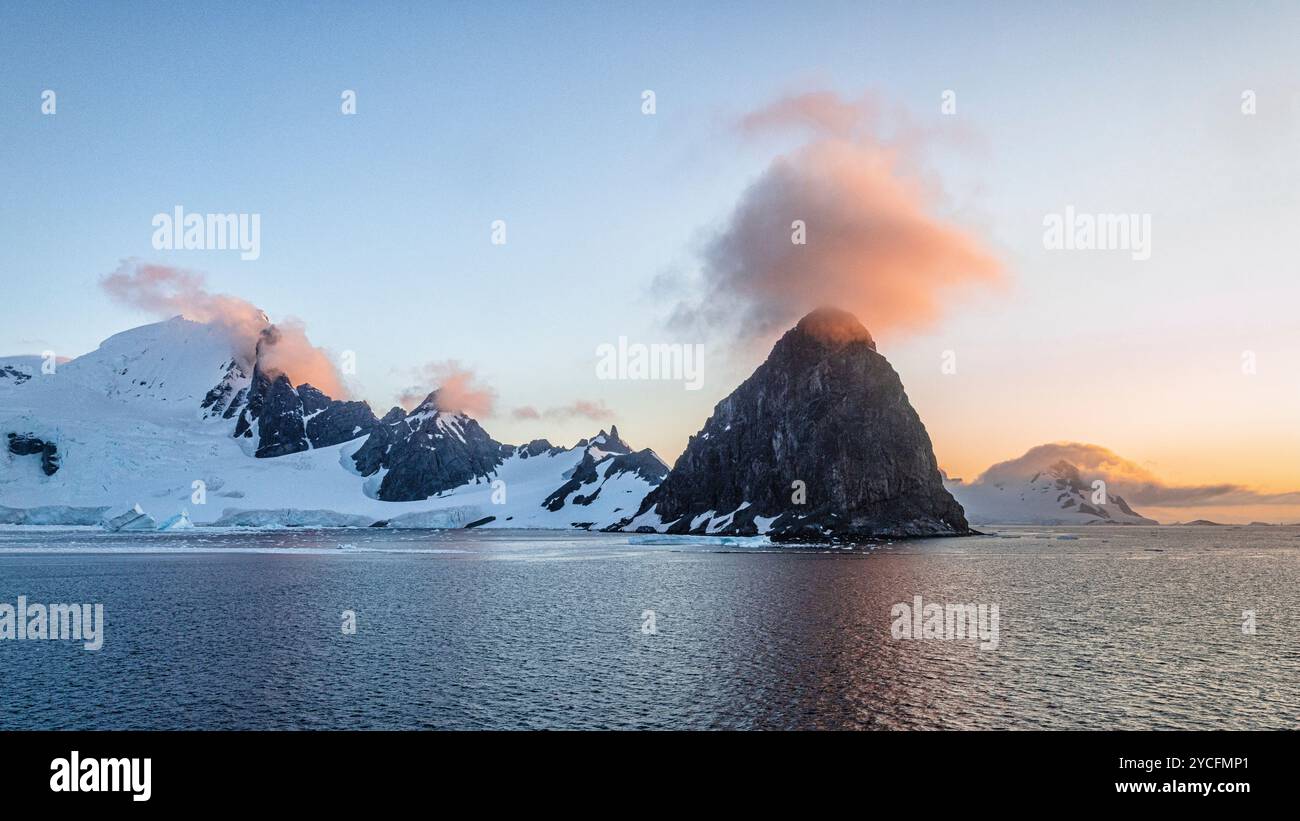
[{"x": 580, "y": 408}]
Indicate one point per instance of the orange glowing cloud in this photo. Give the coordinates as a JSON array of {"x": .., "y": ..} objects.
[
  {"x": 459, "y": 390},
  {"x": 841, "y": 220}
]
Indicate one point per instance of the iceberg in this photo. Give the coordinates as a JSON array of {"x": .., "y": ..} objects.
[
  {"x": 290, "y": 517},
  {"x": 134, "y": 519},
  {"x": 448, "y": 518},
  {"x": 63, "y": 515},
  {"x": 725, "y": 541},
  {"x": 180, "y": 521}
]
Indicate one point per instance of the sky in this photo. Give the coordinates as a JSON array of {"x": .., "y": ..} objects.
[{"x": 376, "y": 228}]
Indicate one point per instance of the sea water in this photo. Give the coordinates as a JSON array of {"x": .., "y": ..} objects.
[{"x": 1098, "y": 627}]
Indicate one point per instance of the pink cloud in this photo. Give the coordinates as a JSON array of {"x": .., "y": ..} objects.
[
  {"x": 459, "y": 390},
  {"x": 873, "y": 241},
  {"x": 579, "y": 408},
  {"x": 165, "y": 291}
]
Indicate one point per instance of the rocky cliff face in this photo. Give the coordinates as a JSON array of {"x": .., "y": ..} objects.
[
  {"x": 427, "y": 452},
  {"x": 25, "y": 444},
  {"x": 229, "y": 395},
  {"x": 282, "y": 419},
  {"x": 606, "y": 442},
  {"x": 820, "y": 443}
]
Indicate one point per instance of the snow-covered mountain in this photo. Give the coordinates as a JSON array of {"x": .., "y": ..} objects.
[
  {"x": 1054, "y": 494},
  {"x": 170, "y": 416}
]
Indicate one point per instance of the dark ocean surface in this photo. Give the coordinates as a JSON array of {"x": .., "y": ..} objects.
[{"x": 1099, "y": 628}]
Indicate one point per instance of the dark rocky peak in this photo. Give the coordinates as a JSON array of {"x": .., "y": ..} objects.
[
  {"x": 820, "y": 443},
  {"x": 313, "y": 401},
  {"x": 536, "y": 448},
  {"x": 338, "y": 422},
  {"x": 428, "y": 405},
  {"x": 608, "y": 442},
  {"x": 280, "y": 426},
  {"x": 287, "y": 420},
  {"x": 644, "y": 463},
  {"x": 428, "y": 451}
]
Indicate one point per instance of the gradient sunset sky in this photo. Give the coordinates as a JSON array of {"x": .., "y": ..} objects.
[{"x": 376, "y": 227}]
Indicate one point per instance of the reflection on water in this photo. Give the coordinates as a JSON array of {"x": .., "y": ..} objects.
[{"x": 1119, "y": 628}]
